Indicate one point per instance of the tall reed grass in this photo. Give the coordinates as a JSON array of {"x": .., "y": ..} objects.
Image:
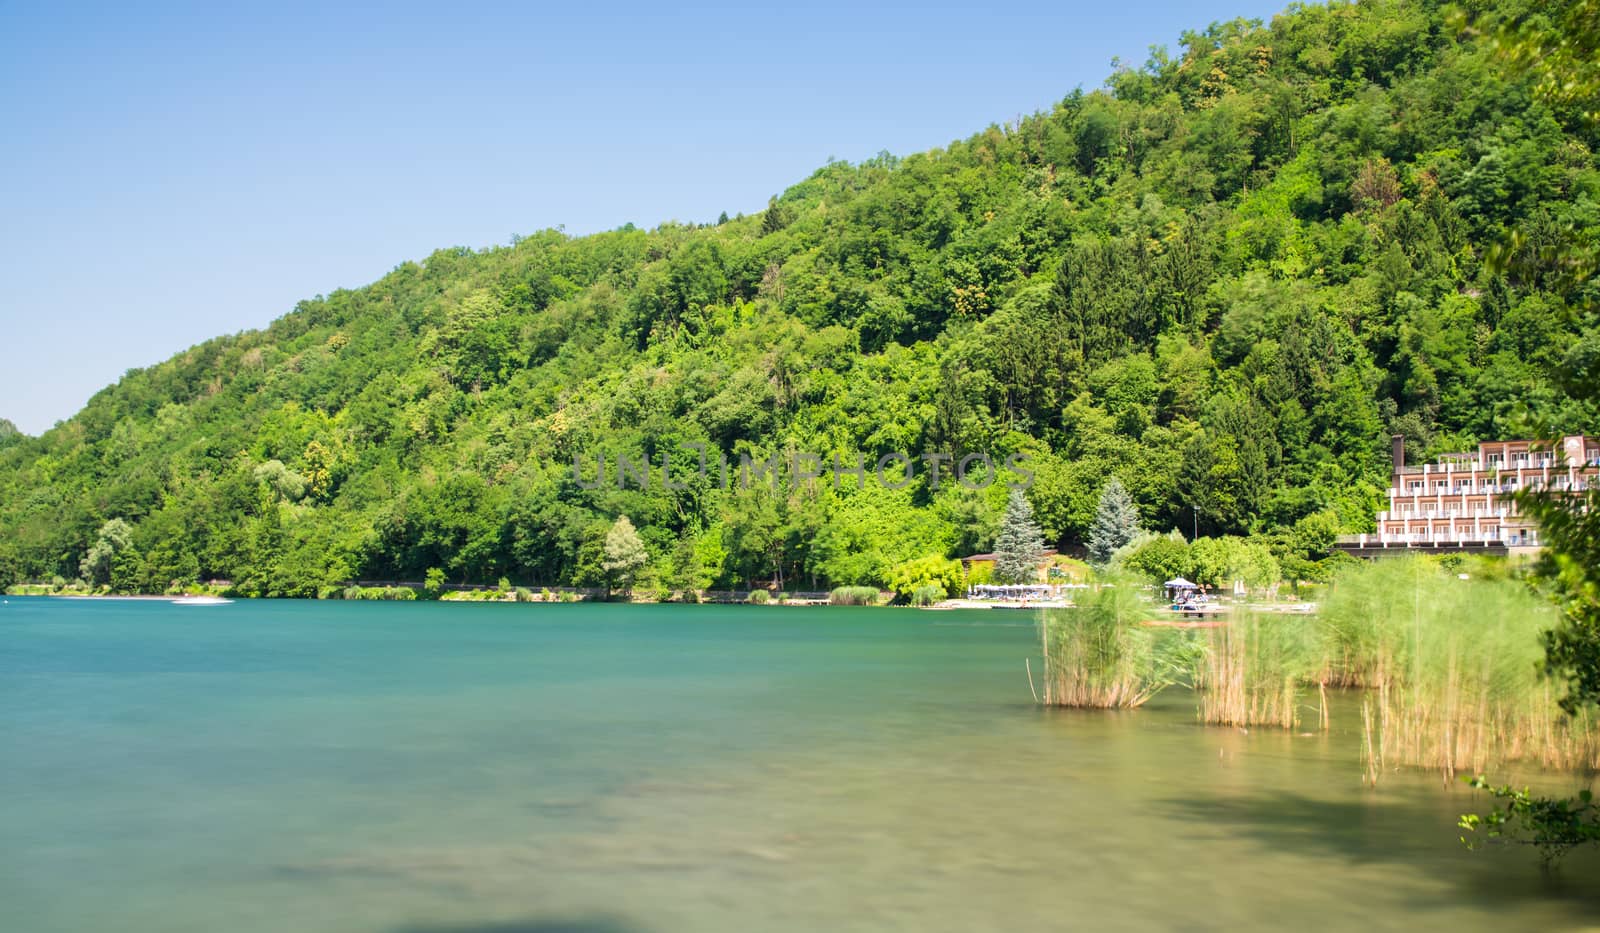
[
  {"x": 1255, "y": 668},
  {"x": 1100, "y": 655},
  {"x": 1452, "y": 669}
]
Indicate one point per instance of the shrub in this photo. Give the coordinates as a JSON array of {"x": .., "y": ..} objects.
[
  {"x": 758, "y": 597},
  {"x": 853, "y": 596},
  {"x": 933, "y": 570}
]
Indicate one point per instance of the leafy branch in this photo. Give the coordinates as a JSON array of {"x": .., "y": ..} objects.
[{"x": 1554, "y": 825}]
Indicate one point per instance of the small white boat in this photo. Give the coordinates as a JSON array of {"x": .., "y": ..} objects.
[{"x": 201, "y": 601}]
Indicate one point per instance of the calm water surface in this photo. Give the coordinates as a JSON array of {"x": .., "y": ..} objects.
[{"x": 417, "y": 768}]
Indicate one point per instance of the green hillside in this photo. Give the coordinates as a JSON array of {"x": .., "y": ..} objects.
[{"x": 1225, "y": 279}]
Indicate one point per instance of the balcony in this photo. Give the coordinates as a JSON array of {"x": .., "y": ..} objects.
[
  {"x": 1424, "y": 514},
  {"x": 1516, "y": 537}
]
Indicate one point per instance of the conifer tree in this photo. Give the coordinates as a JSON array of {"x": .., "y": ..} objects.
[
  {"x": 1116, "y": 522},
  {"x": 1019, "y": 546}
]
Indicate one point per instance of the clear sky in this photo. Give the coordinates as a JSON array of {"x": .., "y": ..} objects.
[{"x": 169, "y": 174}]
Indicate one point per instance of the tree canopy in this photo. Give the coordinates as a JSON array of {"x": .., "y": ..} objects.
[{"x": 1226, "y": 277}]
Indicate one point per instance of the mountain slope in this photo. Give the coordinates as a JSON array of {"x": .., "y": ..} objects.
[{"x": 1224, "y": 279}]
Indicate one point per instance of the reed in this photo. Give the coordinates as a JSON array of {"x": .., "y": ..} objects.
[
  {"x": 1100, "y": 655},
  {"x": 1453, "y": 672},
  {"x": 1254, "y": 670}
]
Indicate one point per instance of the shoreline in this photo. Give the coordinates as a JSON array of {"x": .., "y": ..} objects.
[{"x": 942, "y": 606}]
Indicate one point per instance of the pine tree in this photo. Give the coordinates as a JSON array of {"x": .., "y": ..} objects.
[
  {"x": 624, "y": 553},
  {"x": 1116, "y": 522},
  {"x": 1019, "y": 546}
]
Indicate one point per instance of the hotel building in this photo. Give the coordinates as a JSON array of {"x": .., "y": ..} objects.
[{"x": 1463, "y": 502}]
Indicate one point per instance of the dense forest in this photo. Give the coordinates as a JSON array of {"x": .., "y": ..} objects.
[{"x": 1224, "y": 278}]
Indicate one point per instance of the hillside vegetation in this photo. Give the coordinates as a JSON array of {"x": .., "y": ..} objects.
[{"x": 1224, "y": 278}]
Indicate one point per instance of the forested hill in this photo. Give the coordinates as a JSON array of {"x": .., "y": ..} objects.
[{"x": 1225, "y": 278}]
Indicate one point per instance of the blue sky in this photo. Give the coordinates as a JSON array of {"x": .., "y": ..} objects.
[{"x": 174, "y": 173}]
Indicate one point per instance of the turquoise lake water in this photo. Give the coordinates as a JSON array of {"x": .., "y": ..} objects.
[{"x": 439, "y": 768}]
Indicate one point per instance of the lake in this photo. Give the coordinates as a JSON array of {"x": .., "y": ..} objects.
[{"x": 454, "y": 768}]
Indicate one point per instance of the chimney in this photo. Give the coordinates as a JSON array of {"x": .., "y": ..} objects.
[{"x": 1399, "y": 442}]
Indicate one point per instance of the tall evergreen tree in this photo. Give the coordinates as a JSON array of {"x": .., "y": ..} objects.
[
  {"x": 1116, "y": 522},
  {"x": 1019, "y": 546}
]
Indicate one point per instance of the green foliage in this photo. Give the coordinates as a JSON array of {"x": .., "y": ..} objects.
[
  {"x": 625, "y": 552},
  {"x": 931, "y": 574},
  {"x": 284, "y": 482},
  {"x": 433, "y": 583},
  {"x": 1553, "y": 825},
  {"x": 383, "y": 593},
  {"x": 108, "y": 558},
  {"x": 1220, "y": 562},
  {"x": 1568, "y": 569},
  {"x": 1153, "y": 558},
  {"x": 1225, "y": 278},
  {"x": 1568, "y": 572},
  {"x": 758, "y": 598}
]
